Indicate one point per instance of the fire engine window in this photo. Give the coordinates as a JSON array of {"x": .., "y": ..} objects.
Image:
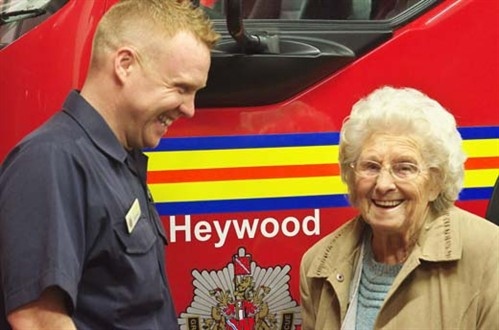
[
  {"x": 19, "y": 16},
  {"x": 315, "y": 9}
]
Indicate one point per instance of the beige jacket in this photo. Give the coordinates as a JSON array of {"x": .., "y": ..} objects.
[{"x": 450, "y": 280}]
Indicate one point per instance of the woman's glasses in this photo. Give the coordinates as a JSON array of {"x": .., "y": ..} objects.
[{"x": 403, "y": 171}]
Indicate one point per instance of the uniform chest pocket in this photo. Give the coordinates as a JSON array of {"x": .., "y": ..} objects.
[{"x": 140, "y": 240}]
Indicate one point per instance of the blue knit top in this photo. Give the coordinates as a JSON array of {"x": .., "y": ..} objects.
[{"x": 375, "y": 281}]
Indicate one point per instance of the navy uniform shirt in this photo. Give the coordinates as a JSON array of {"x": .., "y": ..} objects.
[{"x": 66, "y": 194}]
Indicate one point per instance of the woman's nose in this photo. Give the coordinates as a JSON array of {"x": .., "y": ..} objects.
[{"x": 385, "y": 181}]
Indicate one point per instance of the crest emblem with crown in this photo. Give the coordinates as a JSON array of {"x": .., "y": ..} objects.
[{"x": 241, "y": 296}]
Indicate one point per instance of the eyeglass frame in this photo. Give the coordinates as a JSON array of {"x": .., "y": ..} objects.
[{"x": 389, "y": 169}]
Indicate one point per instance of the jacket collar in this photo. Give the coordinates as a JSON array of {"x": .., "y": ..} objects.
[
  {"x": 338, "y": 248},
  {"x": 439, "y": 241}
]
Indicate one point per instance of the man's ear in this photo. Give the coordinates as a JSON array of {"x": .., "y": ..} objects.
[{"x": 124, "y": 62}]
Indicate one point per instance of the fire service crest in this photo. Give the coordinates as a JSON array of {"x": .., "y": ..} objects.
[{"x": 241, "y": 296}]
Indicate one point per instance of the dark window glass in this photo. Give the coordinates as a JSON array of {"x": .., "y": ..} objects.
[
  {"x": 315, "y": 9},
  {"x": 19, "y": 16}
]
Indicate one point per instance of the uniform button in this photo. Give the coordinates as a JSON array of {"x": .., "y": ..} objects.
[{"x": 340, "y": 277}]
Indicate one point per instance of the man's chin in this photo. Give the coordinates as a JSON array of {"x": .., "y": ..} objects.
[
  {"x": 153, "y": 145},
  {"x": 150, "y": 143}
]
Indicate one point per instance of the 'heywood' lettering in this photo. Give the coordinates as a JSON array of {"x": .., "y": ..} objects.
[{"x": 269, "y": 227}]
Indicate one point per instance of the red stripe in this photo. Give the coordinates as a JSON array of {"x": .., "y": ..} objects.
[
  {"x": 482, "y": 163},
  {"x": 242, "y": 173},
  {"x": 269, "y": 172}
]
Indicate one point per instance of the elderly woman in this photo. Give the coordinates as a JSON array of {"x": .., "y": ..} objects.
[{"x": 411, "y": 259}]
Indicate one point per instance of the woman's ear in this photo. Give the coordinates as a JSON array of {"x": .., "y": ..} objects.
[{"x": 435, "y": 183}]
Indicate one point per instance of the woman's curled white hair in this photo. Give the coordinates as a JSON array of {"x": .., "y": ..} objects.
[{"x": 407, "y": 111}]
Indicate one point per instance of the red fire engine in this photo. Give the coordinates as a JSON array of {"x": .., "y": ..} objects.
[{"x": 252, "y": 181}]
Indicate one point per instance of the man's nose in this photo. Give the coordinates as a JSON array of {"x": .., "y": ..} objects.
[{"x": 188, "y": 107}]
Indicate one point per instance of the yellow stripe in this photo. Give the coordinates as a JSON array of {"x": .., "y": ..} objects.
[
  {"x": 203, "y": 159},
  {"x": 480, "y": 178},
  {"x": 226, "y": 158},
  {"x": 481, "y": 148},
  {"x": 241, "y": 189},
  {"x": 266, "y": 188}
]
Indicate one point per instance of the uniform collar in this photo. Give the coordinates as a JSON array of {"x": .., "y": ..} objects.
[
  {"x": 94, "y": 126},
  {"x": 137, "y": 163}
]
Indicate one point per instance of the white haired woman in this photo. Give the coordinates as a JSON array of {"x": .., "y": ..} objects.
[{"x": 411, "y": 259}]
